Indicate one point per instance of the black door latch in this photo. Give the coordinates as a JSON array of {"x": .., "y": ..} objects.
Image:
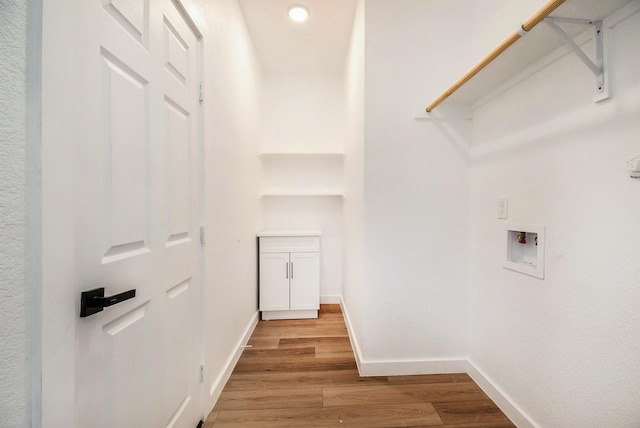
[{"x": 94, "y": 301}]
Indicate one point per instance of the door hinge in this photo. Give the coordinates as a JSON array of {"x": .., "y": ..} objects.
[
  {"x": 201, "y": 92},
  {"x": 201, "y": 373},
  {"x": 203, "y": 238}
]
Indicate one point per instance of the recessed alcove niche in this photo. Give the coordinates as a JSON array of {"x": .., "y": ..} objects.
[{"x": 525, "y": 249}]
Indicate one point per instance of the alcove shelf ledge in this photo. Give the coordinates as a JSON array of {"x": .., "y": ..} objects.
[
  {"x": 301, "y": 154},
  {"x": 302, "y": 193},
  {"x": 536, "y": 43},
  {"x": 302, "y": 174}
]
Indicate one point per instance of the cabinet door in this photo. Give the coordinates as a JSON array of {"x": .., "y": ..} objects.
[
  {"x": 305, "y": 281},
  {"x": 274, "y": 281}
]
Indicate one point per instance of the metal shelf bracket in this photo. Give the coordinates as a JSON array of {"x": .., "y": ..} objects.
[{"x": 597, "y": 67}]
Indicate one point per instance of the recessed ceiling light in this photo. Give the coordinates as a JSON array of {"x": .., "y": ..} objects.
[{"x": 298, "y": 13}]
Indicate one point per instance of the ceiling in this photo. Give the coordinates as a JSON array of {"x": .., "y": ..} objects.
[{"x": 317, "y": 46}]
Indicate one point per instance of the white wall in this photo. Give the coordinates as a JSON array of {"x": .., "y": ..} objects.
[
  {"x": 233, "y": 89},
  {"x": 305, "y": 113},
  {"x": 302, "y": 112},
  {"x": 565, "y": 349},
  {"x": 415, "y": 184},
  {"x": 353, "y": 288},
  {"x": 494, "y": 20},
  {"x": 14, "y": 334}
]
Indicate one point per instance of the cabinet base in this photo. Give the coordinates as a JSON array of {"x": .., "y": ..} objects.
[{"x": 289, "y": 315}]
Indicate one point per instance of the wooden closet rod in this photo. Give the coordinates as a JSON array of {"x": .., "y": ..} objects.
[{"x": 528, "y": 25}]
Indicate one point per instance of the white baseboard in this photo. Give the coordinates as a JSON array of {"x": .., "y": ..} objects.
[
  {"x": 411, "y": 367},
  {"x": 417, "y": 367},
  {"x": 398, "y": 367},
  {"x": 508, "y": 407},
  {"x": 330, "y": 300},
  {"x": 352, "y": 336},
  {"x": 220, "y": 381}
]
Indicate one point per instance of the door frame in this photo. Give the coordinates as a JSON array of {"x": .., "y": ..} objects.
[{"x": 55, "y": 304}]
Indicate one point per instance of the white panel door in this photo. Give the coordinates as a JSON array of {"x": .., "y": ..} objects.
[
  {"x": 137, "y": 215},
  {"x": 305, "y": 281},
  {"x": 274, "y": 281}
]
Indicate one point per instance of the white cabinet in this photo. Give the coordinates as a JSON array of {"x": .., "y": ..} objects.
[{"x": 289, "y": 274}]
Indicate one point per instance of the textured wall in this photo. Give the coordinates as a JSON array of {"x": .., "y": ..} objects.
[
  {"x": 13, "y": 339},
  {"x": 416, "y": 188},
  {"x": 565, "y": 349},
  {"x": 231, "y": 114},
  {"x": 353, "y": 292}
]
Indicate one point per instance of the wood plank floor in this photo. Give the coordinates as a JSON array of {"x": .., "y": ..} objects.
[{"x": 302, "y": 373}]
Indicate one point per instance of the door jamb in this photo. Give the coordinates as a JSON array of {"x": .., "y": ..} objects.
[{"x": 55, "y": 321}]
